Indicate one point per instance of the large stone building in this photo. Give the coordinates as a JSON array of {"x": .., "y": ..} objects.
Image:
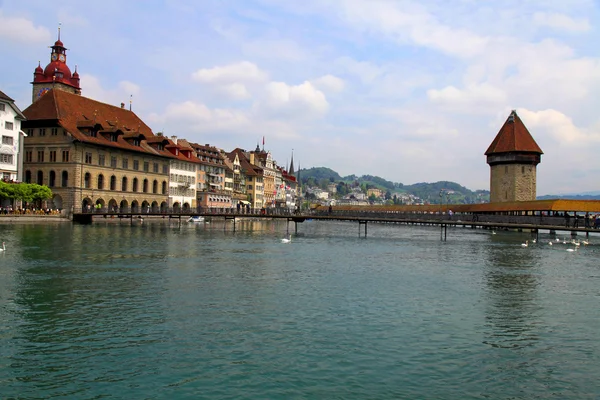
[
  {"x": 513, "y": 157},
  {"x": 11, "y": 148},
  {"x": 91, "y": 154},
  {"x": 94, "y": 154}
]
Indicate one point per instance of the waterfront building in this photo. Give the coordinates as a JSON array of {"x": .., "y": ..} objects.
[
  {"x": 513, "y": 157},
  {"x": 239, "y": 178},
  {"x": 93, "y": 154},
  {"x": 11, "y": 148},
  {"x": 289, "y": 190},
  {"x": 211, "y": 191},
  {"x": 254, "y": 174},
  {"x": 264, "y": 159},
  {"x": 228, "y": 182},
  {"x": 182, "y": 175}
]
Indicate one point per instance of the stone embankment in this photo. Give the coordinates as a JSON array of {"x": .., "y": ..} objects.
[{"x": 10, "y": 218}]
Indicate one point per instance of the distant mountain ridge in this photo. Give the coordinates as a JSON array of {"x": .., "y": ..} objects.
[{"x": 429, "y": 192}]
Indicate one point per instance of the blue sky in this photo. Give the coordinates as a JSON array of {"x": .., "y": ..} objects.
[{"x": 412, "y": 91}]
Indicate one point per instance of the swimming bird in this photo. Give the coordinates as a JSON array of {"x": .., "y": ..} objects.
[
  {"x": 3, "y": 247},
  {"x": 550, "y": 243},
  {"x": 286, "y": 239},
  {"x": 534, "y": 241},
  {"x": 557, "y": 239},
  {"x": 525, "y": 244},
  {"x": 493, "y": 232},
  {"x": 571, "y": 250},
  {"x": 585, "y": 242}
]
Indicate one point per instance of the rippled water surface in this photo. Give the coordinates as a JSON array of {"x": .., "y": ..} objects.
[{"x": 158, "y": 310}]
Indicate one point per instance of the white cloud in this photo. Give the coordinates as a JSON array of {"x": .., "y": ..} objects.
[
  {"x": 92, "y": 88},
  {"x": 472, "y": 98},
  {"x": 560, "y": 126},
  {"x": 22, "y": 30},
  {"x": 200, "y": 118},
  {"x": 561, "y": 21},
  {"x": 295, "y": 100},
  {"x": 329, "y": 83},
  {"x": 367, "y": 72},
  {"x": 244, "y": 71}
]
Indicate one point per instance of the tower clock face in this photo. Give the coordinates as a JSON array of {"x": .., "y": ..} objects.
[
  {"x": 61, "y": 57},
  {"x": 42, "y": 92},
  {"x": 54, "y": 56}
]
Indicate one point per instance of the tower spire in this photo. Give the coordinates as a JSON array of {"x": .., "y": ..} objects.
[
  {"x": 59, "y": 24},
  {"x": 291, "y": 170}
]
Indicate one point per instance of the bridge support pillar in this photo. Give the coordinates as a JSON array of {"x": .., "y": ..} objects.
[{"x": 362, "y": 223}]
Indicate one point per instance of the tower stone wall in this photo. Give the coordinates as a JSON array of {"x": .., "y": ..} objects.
[{"x": 513, "y": 182}]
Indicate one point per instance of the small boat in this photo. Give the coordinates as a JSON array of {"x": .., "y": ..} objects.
[{"x": 197, "y": 218}]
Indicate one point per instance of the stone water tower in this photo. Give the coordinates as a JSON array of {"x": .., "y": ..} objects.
[{"x": 513, "y": 157}]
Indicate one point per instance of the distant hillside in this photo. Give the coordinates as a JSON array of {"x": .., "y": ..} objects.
[
  {"x": 569, "y": 196},
  {"x": 430, "y": 192}
]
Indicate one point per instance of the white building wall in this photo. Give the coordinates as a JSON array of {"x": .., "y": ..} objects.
[
  {"x": 182, "y": 183},
  {"x": 10, "y": 141}
]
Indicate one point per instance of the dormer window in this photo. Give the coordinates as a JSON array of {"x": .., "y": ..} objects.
[
  {"x": 160, "y": 146},
  {"x": 136, "y": 142},
  {"x": 176, "y": 152},
  {"x": 113, "y": 137}
]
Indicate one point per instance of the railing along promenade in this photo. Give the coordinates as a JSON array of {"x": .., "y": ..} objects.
[{"x": 531, "y": 223}]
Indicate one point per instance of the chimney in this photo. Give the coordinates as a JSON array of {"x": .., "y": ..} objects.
[
  {"x": 252, "y": 158},
  {"x": 174, "y": 139},
  {"x": 207, "y": 145},
  {"x": 122, "y": 105}
]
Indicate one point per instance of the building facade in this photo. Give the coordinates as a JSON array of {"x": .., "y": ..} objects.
[
  {"x": 183, "y": 175},
  {"x": 513, "y": 157},
  {"x": 11, "y": 148},
  {"x": 211, "y": 191}
]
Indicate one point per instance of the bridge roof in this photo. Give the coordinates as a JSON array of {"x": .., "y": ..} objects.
[{"x": 592, "y": 206}]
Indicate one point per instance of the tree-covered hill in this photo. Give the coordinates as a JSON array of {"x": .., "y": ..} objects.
[{"x": 452, "y": 192}]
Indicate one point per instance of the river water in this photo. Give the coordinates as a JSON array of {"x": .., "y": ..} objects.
[{"x": 160, "y": 310}]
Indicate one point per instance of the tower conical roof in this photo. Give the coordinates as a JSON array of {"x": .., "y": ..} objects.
[{"x": 513, "y": 137}]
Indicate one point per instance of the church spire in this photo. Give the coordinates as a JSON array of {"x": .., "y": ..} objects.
[{"x": 291, "y": 170}]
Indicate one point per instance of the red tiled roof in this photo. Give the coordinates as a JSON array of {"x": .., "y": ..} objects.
[
  {"x": 75, "y": 113},
  {"x": 249, "y": 169},
  {"x": 513, "y": 137}
]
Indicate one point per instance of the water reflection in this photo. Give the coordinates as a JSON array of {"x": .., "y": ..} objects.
[{"x": 512, "y": 280}]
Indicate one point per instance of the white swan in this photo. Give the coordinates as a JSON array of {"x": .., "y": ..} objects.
[
  {"x": 286, "y": 239},
  {"x": 571, "y": 250},
  {"x": 550, "y": 243},
  {"x": 3, "y": 247},
  {"x": 585, "y": 242},
  {"x": 525, "y": 244}
]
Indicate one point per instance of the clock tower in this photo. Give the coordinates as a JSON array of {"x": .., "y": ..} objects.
[
  {"x": 56, "y": 75},
  {"x": 513, "y": 157}
]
